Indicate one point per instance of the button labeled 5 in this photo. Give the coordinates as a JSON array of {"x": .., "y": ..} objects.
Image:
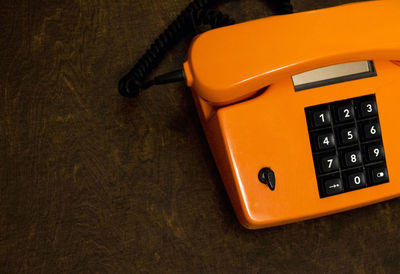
[{"x": 349, "y": 135}]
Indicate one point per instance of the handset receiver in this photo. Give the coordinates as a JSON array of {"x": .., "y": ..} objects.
[{"x": 230, "y": 64}]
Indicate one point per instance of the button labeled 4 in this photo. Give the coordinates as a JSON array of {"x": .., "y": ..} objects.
[{"x": 326, "y": 141}]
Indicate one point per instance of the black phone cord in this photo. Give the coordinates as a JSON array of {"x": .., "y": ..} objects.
[{"x": 195, "y": 14}]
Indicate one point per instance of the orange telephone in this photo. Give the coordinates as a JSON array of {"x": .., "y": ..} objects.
[{"x": 301, "y": 110}]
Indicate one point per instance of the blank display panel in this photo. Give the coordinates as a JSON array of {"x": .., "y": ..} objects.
[{"x": 333, "y": 74}]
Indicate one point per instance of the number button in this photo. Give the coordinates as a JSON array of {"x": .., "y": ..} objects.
[
  {"x": 330, "y": 163},
  {"x": 349, "y": 136},
  {"x": 322, "y": 118},
  {"x": 372, "y": 131},
  {"x": 353, "y": 158},
  {"x": 380, "y": 175},
  {"x": 333, "y": 186},
  {"x": 357, "y": 180},
  {"x": 346, "y": 113},
  {"x": 326, "y": 141},
  {"x": 368, "y": 109},
  {"x": 376, "y": 153}
]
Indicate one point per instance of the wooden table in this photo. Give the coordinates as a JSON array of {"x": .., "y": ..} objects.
[{"x": 93, "y": 182}]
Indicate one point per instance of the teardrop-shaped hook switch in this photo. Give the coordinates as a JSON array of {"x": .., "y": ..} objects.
[{"x": 267, "y": 176}]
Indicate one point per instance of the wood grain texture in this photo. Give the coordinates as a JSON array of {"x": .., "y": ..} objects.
[{"x": 93, "y": 182}]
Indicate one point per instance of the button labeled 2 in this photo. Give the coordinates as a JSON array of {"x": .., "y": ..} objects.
[
  {"x": 376, "y": 153},
  {"x": 346, "y": 113}
]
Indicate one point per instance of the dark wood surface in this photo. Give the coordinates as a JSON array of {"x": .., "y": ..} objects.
[{"x": 93, "y": 182}]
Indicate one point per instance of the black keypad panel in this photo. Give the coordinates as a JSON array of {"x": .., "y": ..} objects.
[{"x": 346, "y": 141}]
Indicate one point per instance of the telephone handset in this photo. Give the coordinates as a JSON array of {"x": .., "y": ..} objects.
[{"x": 300, "y": 110}]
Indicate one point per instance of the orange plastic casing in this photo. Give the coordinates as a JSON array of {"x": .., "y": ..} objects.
[{"x": 241, "y": 82}]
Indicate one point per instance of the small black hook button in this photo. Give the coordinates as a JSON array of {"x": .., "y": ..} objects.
[{"x": 267, "y": 176}]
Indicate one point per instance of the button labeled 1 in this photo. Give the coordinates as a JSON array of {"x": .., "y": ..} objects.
[{"x": 322, "y": 118}]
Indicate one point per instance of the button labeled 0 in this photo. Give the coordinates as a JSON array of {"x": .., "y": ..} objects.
[{"x": 357, "y": 180}]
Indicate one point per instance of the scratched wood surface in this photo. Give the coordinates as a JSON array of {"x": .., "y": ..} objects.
[{"x": 92, "y": 182}]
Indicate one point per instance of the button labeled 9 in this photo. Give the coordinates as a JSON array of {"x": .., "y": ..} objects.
[{"x": 376, "y": 153}]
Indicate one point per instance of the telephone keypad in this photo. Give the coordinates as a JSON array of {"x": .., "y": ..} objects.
[{"x": 346, "y": 141}]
